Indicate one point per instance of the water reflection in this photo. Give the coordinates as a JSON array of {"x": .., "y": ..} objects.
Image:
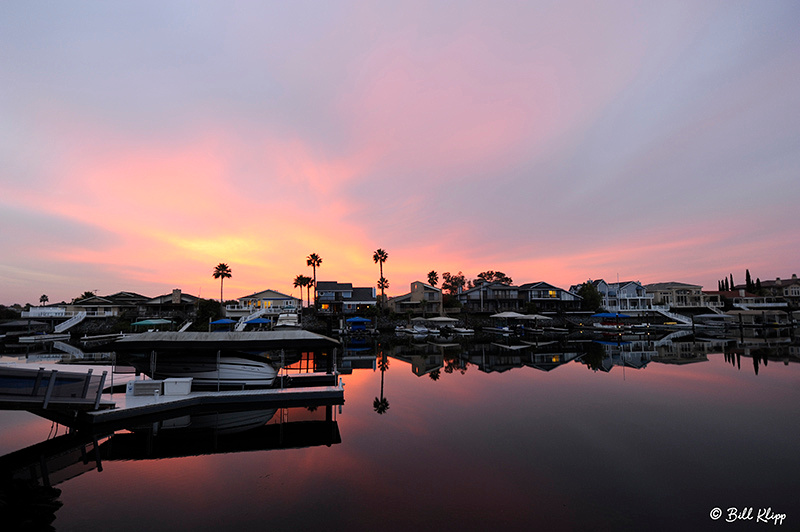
[
  {"x": 28, "y": 477},
  {"x": 502, "y": 354}
]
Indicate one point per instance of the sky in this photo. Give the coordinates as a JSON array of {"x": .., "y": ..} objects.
[{"x": 142, "y": 143}]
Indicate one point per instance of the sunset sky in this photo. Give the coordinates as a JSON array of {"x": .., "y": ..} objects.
[{"x": 142, "y": 143}]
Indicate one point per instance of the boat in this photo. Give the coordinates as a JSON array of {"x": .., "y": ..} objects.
[{"x": 288, "y": 321}]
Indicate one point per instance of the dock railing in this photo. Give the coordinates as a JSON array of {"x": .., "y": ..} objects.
[{"x": 43, "y": 389}]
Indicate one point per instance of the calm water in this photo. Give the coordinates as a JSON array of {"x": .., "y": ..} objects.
[{"x": 477, "y": 437}]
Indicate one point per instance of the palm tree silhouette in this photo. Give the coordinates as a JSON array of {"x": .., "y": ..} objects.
[
  {"x": 383, "y": 284},
  {"x": 221, "y": 272},
  {"x": 382, "y": 405},
  {"x": 43, "y": 300},
  {"x": 299, "y": 282},
  {"x": 380, "y": 256},
  {"x": 433, "y": 278},
  {"x": 314, "y": 260}
]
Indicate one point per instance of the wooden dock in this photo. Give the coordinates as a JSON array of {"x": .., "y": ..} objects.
[
  {"x": 138, "y": 408},
  {"x": 77, "y": 400}
]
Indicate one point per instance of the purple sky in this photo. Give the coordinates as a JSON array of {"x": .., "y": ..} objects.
[{"x": 142, "y": 143}]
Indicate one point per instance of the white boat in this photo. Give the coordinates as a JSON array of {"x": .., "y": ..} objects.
[
  {"x": 288, "y": 320},
  {"x": 208, "y": 370}
]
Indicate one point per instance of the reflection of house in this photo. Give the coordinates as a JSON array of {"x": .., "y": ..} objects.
[
  {"x": 680, "y": 295},
  {"x": 547, "y": 297},
  {"x": 490, "y": 297},
  {"x": 423, "y": 298},
  {"x": 271, "y": 301},
  {"x": 343, "y": 298},
  {"x": 176, "y": 304}
]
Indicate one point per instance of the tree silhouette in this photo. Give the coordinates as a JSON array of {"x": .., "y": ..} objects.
[
  {"x": 302, "y": 281},
  {"x": 221, "y": 272},
  {"x": 433, "y": 278},
  {"x": 382, "y": 405},
  {"x": 314, "y": 261},
  {"x": 43, "y": 300},
  {"x": 380, "y": 256}
]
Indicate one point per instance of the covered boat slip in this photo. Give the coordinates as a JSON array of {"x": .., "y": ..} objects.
[
  {"x": 237, "y": 340},
  {"x": 224, "y": 360}
]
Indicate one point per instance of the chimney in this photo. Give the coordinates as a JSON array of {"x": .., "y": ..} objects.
[
  {"x": 741, "y": 292},
  {"x": 176, "y": 296},
  {"x": 778, "y": 281}
]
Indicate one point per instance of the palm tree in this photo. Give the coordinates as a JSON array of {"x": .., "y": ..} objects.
[
  {"x": 433, "y": 278},
  {"x": 383, "y": 284},
  {"x": 303, "y": 281},
  {"x": 314, "y": 260},
  {"x": 382, "y": 405},
  {"x": 300, "y": 282},
  {"x": 380, "y": 256},
  {"x": 221, "y": 272},
  {"x": 43, "y": 300}
]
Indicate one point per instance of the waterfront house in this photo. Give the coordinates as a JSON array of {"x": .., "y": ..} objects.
[
  {"x": 116, "y": 304},
  {"x": 675, "y": 295},
  {"x": 342, "y": 298},
  {"x": 624, "y": 296},
  {"x": 490, "y": 297},
  {"x": 547, "y": 297},
  {"x": 174, "y": 305},
  {"x": 788, "y": 289},
  {"x": 270, "y": 301},
  {"x": 422, "y": 299}
]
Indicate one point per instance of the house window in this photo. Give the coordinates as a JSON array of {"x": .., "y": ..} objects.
[{"x": 551, "y": 293}]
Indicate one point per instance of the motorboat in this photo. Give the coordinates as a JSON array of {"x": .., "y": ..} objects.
[{"x": 225, "y": 370}]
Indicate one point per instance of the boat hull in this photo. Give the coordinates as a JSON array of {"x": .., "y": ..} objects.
[{"x": 229, "y": 371}]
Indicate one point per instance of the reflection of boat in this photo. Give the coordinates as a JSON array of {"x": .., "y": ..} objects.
[{"x": 221, "y": 422}]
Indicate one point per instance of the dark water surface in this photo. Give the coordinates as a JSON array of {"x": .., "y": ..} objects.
[{"x": 545, "y": 446}]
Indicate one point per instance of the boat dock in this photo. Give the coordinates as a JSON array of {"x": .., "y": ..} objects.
[
  {"x": 133, "y": 408},
  {"x": 81, "y": 400}
]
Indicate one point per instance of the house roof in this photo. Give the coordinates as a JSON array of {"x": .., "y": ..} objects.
[
  {"x": 729, "y": 293},
  {"x": 167, "y": 299},
  {"x": 489, "y": 285},
  {"x": 538, "y": 284},
  {"x": 670, "y": 285},
  {"x": 780, "y": 282},
  {"x": 267, "y": 294},
  {"x": 333, "y": 286},
  {"x": 426, "y": 285}
]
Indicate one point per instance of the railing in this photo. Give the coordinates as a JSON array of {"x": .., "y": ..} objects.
[
  {"x": 74, "y": 320},
  {"x": 36, "y": 312},
  {"x": 50, "y": 385}
]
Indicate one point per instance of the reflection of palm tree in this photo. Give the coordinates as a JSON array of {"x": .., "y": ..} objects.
[
  {"x": 434, "y": 375},
  {"x": 221, "y": 272},
  {"x": 382, "y": 405},
  {"x": 314, "y": 260}
]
